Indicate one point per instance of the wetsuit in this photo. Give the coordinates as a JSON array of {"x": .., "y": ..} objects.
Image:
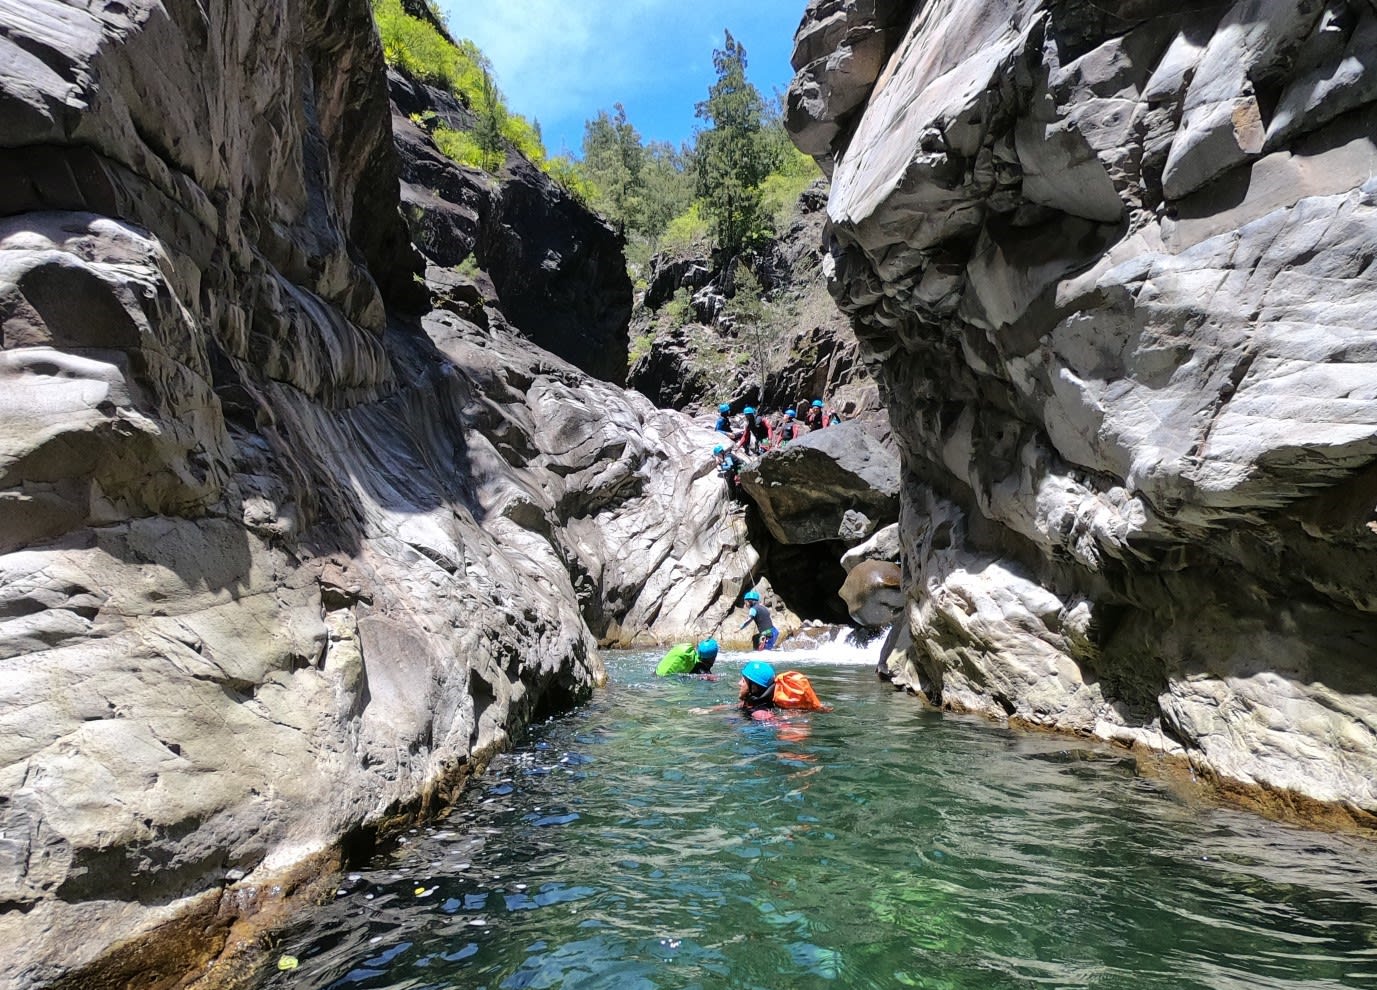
[
  {"x": 788, "y": 430},
  {"x": 765, "y": 633},
  {"x": 724, "y": 424},
  {"x": 727, "y": 469},
  {"x": 758, "y": 699},
  {"x": 748, "y": 441}
]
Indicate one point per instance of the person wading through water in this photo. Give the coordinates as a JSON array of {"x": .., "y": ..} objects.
[{"x": 765, "y": 632}]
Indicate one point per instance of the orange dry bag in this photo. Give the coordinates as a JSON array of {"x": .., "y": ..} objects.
[{"x": 792, "y": 690}]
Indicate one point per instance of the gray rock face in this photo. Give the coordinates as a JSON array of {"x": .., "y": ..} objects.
[
  {"x": 557, "y": 270},
  {"x": 278, "y": 555},
  {"x": 1112, "y": 269},
  {"x": 839, "y": 51}
]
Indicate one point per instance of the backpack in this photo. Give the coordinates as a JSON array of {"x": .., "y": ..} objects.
[{"x": 792, "y": 690}]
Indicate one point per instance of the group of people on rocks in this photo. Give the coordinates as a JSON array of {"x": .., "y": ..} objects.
[
  {"x": 761, "y": 690},
  {"x": 760, "y": 432}
]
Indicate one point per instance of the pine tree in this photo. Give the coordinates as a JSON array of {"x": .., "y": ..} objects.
[
  {"x": 614, "y": 160},
  {"x": 733, "y": 157},
  {"x": 492, "y": 120}
]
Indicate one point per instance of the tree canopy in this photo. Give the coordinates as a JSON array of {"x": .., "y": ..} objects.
[{"x": 733, "y": 156}]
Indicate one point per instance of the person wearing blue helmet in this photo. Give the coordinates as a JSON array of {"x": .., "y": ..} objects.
[
  {"x": 756, "y": 436},
  {"x": 790, "y": 428},
  {"x": 724, "y": 419},
  {"x": 728, "y": 467},
  {"x": 757, "y": 688},
  {"x": 685, "y": 658},
  {"x": 765, "y": 633},
  {"x": 815, "y": 418}
]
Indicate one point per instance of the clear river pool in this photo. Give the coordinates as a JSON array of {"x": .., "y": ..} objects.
[{"x": 637, "y": 843}]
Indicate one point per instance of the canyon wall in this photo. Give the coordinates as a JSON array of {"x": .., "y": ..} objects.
[
  {"x": 296, "y": 526},
  {"x": 1113, "y": 267}
]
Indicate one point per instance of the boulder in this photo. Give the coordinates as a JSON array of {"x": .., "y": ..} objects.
[
  {"x": 839, "y": 483},
  {"x": 873, "y": 593}
]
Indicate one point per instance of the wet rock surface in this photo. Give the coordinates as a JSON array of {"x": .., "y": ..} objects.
[
  {"x": 1110, "y": 269},
  {"x": 286, "y": 551}
]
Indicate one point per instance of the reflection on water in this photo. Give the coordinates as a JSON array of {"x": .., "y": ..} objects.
[{"x": 635, "y": 844}]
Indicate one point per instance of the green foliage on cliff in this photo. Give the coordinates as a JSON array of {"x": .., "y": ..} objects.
[
  {"x": 688, "y": 233},
  {"x": 464, "y": 148},
  {"x": 793, "y": 173},
  {"x": 737, "y": 183},
  {"x": 418, "y": 48}
]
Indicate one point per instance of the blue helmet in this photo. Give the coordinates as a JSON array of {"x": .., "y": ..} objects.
[
  {"x": 724, "y": 408},
  {"x": 707, "y": 649},
  {"x": 817, "y": 403},
  {"x": 790, "y": 413},
  {"x": 759, "y": 673},
  {"x": 752, "y": 596},
  {"x": 748, "y": 411},
  {"x": 719, "y": 449}
]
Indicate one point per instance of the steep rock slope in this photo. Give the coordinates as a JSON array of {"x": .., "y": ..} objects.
[
  {"x": 281, "y": 552},
  {"x": 699, "y": 354},
  {"x": 1112, "y": 266}
]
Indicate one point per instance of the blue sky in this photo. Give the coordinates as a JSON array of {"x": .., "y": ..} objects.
[{"x": 561, "y": 61}]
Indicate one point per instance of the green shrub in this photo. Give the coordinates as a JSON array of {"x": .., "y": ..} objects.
[
  {"x": 524, "y": 137},
  {"x": 416, "y": 47},
  {"x": 640, "y": 347},
  {"x": 464, "y": 148},
  {"x": 686, "y": 233},
  {"x": 780, "y": 193},
  {"x": 679, "y": 310},
  {"x": 568, "y": 174}
]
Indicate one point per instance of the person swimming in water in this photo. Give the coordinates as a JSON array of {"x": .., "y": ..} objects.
[{"x": 685, "y": 658}]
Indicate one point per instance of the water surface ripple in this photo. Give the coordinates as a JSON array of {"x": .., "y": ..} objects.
[{"x": 637, "y": 845}]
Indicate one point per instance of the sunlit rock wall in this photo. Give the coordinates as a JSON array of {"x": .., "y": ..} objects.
[
  {"x": 278, "y": 552},
  {"x": 1113, "y": 264}
]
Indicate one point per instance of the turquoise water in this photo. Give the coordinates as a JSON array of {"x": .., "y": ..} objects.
[{"x": 637, "y": 844}]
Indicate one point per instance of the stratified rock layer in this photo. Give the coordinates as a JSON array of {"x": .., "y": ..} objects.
[
  {"x": 1113, "y": 267},
  {"x": 279, "y": 552}
]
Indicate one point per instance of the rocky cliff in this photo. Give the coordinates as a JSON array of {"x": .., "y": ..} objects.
[
  {"x": 296, "y": 524},
  {"x": 1112, "y": 265}
]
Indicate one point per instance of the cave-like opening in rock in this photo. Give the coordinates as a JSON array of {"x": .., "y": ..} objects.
[{"x": 807, "y": 578}]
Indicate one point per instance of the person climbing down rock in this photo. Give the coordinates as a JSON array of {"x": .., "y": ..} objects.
[
  {"x": 724, "y": 419},
  {"x": 765, "y": 633},
  {"x": 790, "y": 428},
  {"x": 761, "y": 690},
  {"x": 685, "y": 658},
  {"x": 755, "y": 437},
  {"x": 728, "y": 467}
]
